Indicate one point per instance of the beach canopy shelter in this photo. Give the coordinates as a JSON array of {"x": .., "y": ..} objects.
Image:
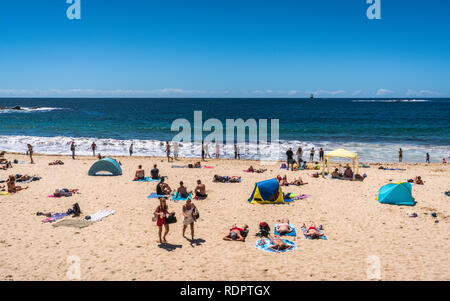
[
  {"x": 396, "y": 194},
  {"x": 340, "y": 153},
  {"x": 105, "y": 165},
  {"x": 267, "y": 192}
]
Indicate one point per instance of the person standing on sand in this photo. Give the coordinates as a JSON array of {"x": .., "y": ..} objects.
[
  {"x": 299, "y": 154},
  {"x": 190, "y": 216},
  {"x": 175, "y": 150},
  {"x": 321, "y": 152},
  {"x": 311, "y": 155},
  {"x": 207, "y": 150},
  {"x": 161, "y": 213},
  {"x": 289, "y": 157},
  {"x": 203, "y": 151},
  {"x": 427, "y": 160},
  {"x": 400, "y": 155},
  {"x": 72, "y": 149},
  {"x": 168, "y": 152},
  {"x": 131, "y": 149},
  {"x": 30, "y": 152},
  {"x": 93, "y": 147},
  {"x": 217, "y": 151}
]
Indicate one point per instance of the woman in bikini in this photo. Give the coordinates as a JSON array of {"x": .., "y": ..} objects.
[
  {"x": 162, "y": 213},
  {"x": 312, "y": 231},
  {"x": 236, "y": 233},
  {"x": 12, "y": 188},
  {"x": 30, "y": 152},
  {"x": 298, "y": 182},
  {"x": 278, "y": 244},
  {"x": 284, "y": 227}
]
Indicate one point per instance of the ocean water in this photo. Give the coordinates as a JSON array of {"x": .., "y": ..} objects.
[{"x": 375, "y": 128}]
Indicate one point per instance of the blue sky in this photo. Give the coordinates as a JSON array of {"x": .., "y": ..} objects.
[{"x": 225, "y": 48}]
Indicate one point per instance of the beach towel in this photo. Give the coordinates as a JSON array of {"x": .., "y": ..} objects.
[
  {"x": 292, "y": 233},
  {"x": 268, "y": 243},
  {"x": 154, "y": 195},
  {"x": 208, "y": 166},
  {"x": 293, "y": 196},
  {"x": 72, "y": 223},
  {"x": 178, "y": 166},
  {"x": 147, "y": 179},
  {"x": 179, "y": 198},
  {"x": 54, "y": 217},
  {"x": 6, "y": 193},
  {"x": 307, "y": 237},
  {"x": 386, "y": 168},
  {"x": 101, "y": 214}
]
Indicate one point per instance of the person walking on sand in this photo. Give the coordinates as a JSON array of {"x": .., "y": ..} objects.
[
  {"x": 169, "y": 158},
  {"x": 217, "y": 150},
  {"x": 400, "y": 155},
  {"x": 72, "y": 149},
  {"x": 311, "y": 155},
  {"x": 299, "y": 154},
  {"x": 30, "y": 152},
  {"x": 161, "y": 213},
  {"x": 427, "y": 160},
  {"x": 131, "y": 149},
  {"x": 93, "y": 147},
  {"x": 190, "y": 216}
]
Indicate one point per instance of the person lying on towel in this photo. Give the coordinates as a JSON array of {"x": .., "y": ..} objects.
[
  {"x": 312, "y": 231},
  {"x": 298, "y": 182},
  {"x": 140, "y": 174},
  {"x": 283, "y": 227},
  {"x": 12, "y": 187},
  {"x": 237, "y": 234},
  {"x": 278, "y": 244},
  {"x": 64, "y": 192}
]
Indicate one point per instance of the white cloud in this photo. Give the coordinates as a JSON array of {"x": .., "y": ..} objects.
[{"x": 382, "y": 92}]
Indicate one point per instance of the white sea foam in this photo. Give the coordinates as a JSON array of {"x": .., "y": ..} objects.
[
  {"x": 391, "y": 100},
  {"x": 368, "y": 152},
  {"x": 29, "y": 110}
]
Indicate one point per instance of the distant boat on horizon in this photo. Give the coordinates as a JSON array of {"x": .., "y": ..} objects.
[{"x": 311, "y": 96}]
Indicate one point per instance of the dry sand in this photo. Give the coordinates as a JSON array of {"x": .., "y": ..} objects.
[{"x": 123, "y": 246}]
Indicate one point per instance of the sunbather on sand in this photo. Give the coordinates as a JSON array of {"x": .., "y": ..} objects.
[
  {"x": 283, "y": 180},
  {"x": 251, "y": 169},
  {"x": 298, "y": 182},
  {"x": 236, "y": 233},
  {"x": 284, "y": 227},
  {"x": 200, "y": 190},
  {"x": 64, "y": 192},
  {"x": 182, "y": 191},
  {"x": 163, "y": 188},
  {"x": 140, "y": 173},
  {"x": 278, "y": 244},
  {"x": 418, "y": 180},
  {"x": 12, "y": 188},
  {"x": 6, "y": 166},
  {"x": 56, "y": 162},
  {"x": 312, "y": 231}
]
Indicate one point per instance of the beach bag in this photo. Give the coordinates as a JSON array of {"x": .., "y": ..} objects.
[
  {"x": 283, "y": 165},
  {"x": 171, "y": 219},
  {"x": 195, "y": 214},
  {"x": 153, "y": 217}
]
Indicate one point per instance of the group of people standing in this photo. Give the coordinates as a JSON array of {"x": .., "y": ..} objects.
[{"x": 290, "y": 155}]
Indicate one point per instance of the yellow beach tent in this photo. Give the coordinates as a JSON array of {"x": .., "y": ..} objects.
[{"x": 340, "y": 153}]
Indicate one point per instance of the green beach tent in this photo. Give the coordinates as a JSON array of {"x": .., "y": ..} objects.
[{"x": 105, "y": 165}]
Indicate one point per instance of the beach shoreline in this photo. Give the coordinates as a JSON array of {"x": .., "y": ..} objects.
[{"x": 123, "y": 246}]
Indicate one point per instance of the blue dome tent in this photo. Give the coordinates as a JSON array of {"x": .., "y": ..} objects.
[
  {"x": 396, "y": 194},
  {"x": 105, "y": 165}
]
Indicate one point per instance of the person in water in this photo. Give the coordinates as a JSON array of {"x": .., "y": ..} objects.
[{"x": 93, "y": 147}]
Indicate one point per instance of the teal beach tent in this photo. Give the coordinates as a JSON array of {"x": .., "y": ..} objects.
[
  {"x": 396, "y": 194},
  {"x": 105, "y": 165}
]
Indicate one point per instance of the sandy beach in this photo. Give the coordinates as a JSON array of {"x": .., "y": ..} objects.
[{"x": 123, "y": 246}]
